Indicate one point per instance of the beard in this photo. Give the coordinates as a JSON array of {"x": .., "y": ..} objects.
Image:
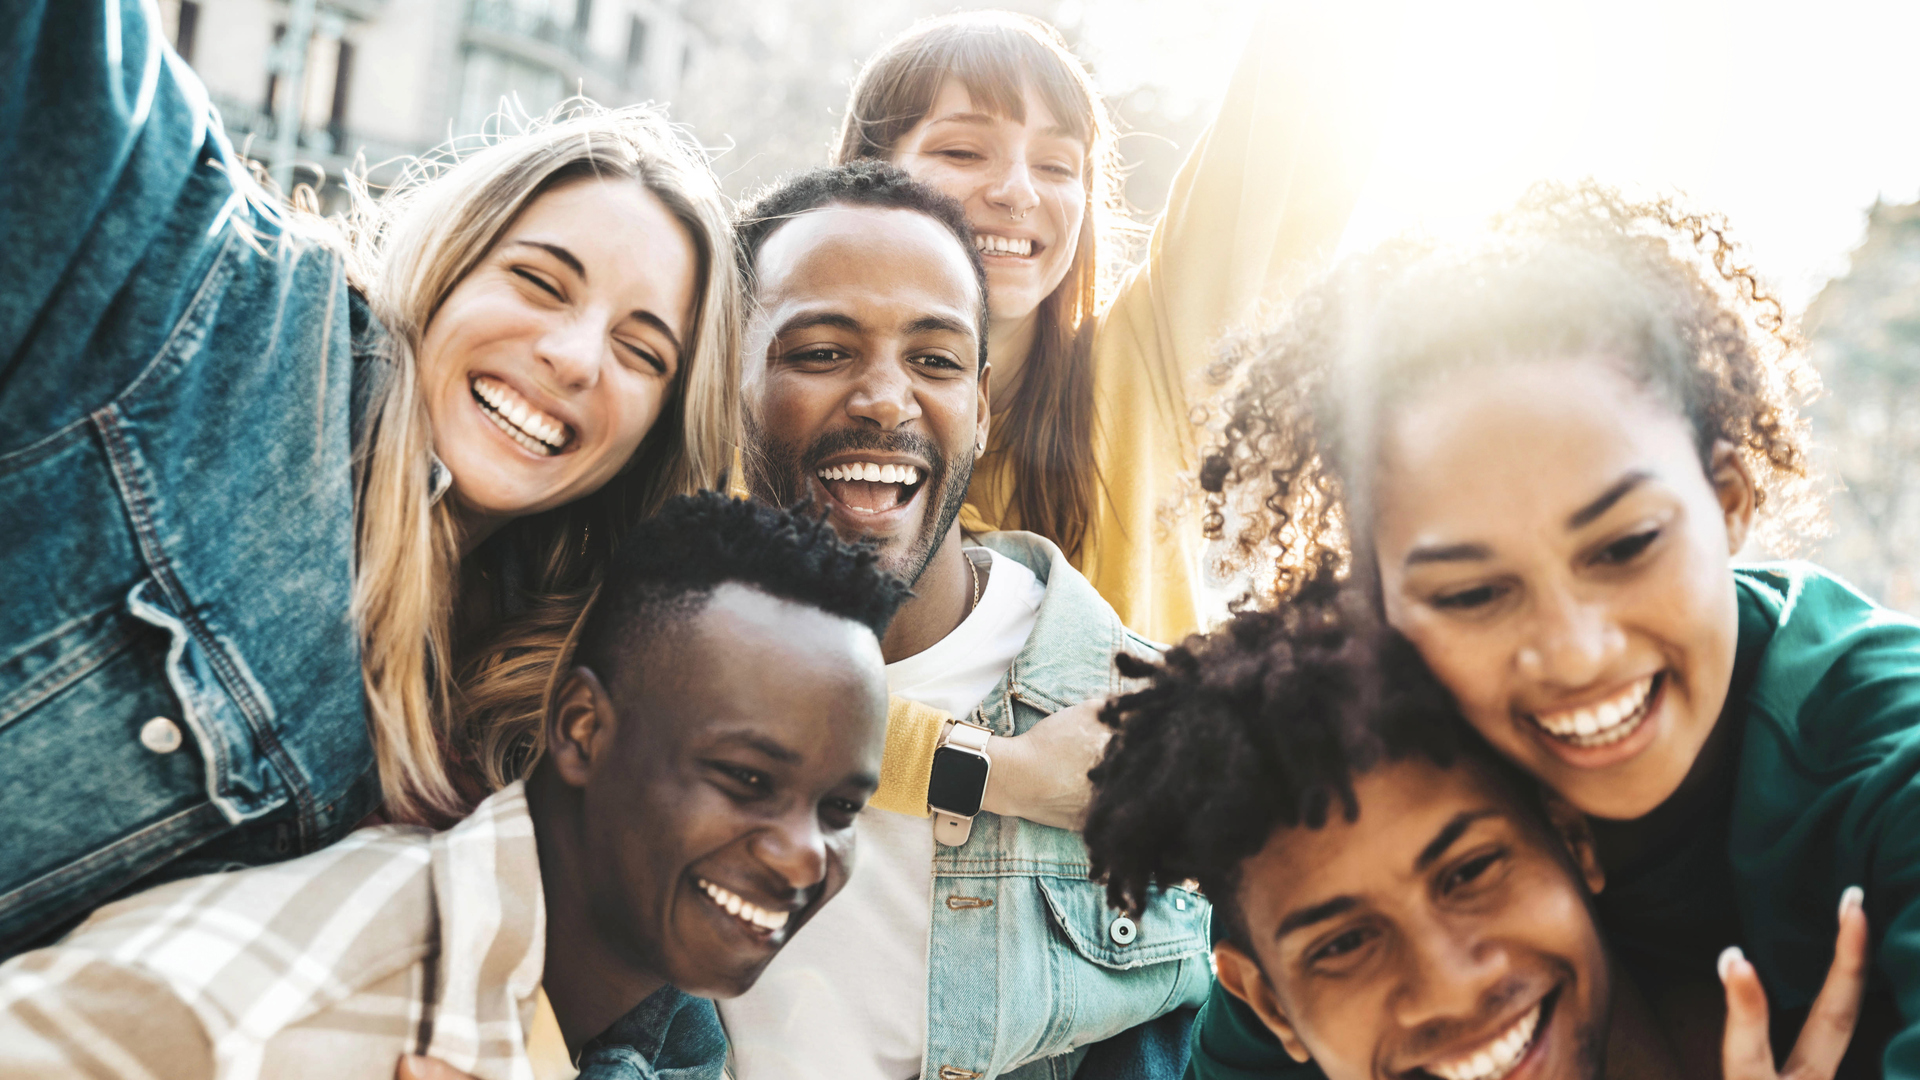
[{"x": 781, "y": 473}]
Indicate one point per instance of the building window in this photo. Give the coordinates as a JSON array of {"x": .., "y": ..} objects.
[
  {"x": 183, "y": 29},
  {"x": 636, "y": 43},
  {"x": 342, "y": 77}
]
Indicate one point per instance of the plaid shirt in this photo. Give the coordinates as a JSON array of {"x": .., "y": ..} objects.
[{"x": 395, "y": 940}]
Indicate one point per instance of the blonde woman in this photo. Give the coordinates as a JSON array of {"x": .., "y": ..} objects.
[{"x": 252, "y": 480}]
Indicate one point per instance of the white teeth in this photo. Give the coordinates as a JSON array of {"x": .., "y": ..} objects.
[
  {"x": 512, "y": 414},
  {"x": 1497, "y": 1058},
  {"x": 867, "y": 470},
  {"x": 741, "y": 909},
  {"x": 1603, "y": 723},
  {"x": 1002, "y": 245}
]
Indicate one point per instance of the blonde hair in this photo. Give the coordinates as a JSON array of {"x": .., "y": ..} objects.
[
  {"x": 410, "y": 251},
  {"x": 1048, "y": 429}
]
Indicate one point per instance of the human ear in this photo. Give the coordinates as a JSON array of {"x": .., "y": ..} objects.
[
  {"x": 580, "y": 727},
  {"x": 1573, "y": 830},
  {"x": 1733, "y": 485},
  {"x": 1240, "y": 974},
  {"x": 985, "y": 410}
]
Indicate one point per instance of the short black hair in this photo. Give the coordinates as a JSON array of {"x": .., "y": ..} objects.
[
  {"x": 857, "y": 183},
  {"x": 668, "y": 566},
  {"x": 1261, "y": 725}
]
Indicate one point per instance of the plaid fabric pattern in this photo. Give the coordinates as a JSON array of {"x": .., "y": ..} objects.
[{"x": 395, "y": 940}]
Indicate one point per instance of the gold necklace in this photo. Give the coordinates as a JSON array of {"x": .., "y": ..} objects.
[{"x": 973, "y": 572}]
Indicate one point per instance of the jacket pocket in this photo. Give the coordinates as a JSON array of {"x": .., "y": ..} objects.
[{"x": 1173, "y": 926}]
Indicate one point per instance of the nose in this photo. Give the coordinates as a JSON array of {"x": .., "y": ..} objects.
[
  {"x": 883, "y": 394},
  {"x": 1012, "y": 189},
  {"x": 794, "y": 848},
  {"x": 1452, "y": 976},
  {"x": 573, "y": 349},
  {"x": 1571, "y": 641}
]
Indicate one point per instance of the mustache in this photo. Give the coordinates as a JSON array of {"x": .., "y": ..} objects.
[{"x": 885, "y": 442}]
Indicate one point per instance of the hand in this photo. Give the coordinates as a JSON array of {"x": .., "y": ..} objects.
[
  {"x": 415, "y": 1067},
  {"x": 1041, "y": 774},
  {"x": 1746, "y": 1053}
]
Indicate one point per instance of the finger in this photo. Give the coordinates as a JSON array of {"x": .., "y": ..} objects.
[
  {"x": 1829, "y": 1027},
  {"x": 416, "y": 1067},
  {"x": 1746, "y": 1053}
]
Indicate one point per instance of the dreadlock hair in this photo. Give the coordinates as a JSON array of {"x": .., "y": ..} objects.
[
  {"x": 857, "y": 183},
  {"x": 667, "y": 568},
  {"x": 1570, "y": 271},
  {"x": 1261, "y": 725}
]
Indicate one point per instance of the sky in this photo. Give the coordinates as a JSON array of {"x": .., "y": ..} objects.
[{"x": 1789, "y": 117}]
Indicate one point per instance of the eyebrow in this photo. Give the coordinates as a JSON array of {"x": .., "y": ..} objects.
[
  {"x": 1053, "y": 131},
  {"x": 1318, "y": 913},
  {"x": 573, "y": 264},
  {"x": 1586, "y": 514},
  {"x": 821, "y": 318},
  {"x": 760, "y": 744},
  {"x": 936, "y": 324},
  {"x": 1449, "y": 833},
  {"x": 1448, "y": 553}
]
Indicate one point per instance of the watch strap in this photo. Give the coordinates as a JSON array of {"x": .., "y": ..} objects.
[{"x": 952, "y": 830}]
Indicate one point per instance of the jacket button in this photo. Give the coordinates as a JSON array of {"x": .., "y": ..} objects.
[
  {"x": 1123, "y": 931},
  {"x": 160, "y": 735}
]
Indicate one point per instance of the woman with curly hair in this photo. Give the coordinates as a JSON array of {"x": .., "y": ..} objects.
[{"x": 1541, "y": 452}]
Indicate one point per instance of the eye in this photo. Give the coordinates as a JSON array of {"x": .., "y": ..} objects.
[
  {"x": 1472, "y": 870},
  {"x": 537, "y": 281},
  {"x": 958, "y": 155},
  {"x": 820, "y": 355},
  {"x": 1627, "y": 548},
  {"x": 1478, "y": 596},
  {"x": 1345, "y": 943},
  {"x": 839, "y": 813},
  {"x": 646, "y": 356},
  {"x": 938, "y": 360},
  {"x": 1064, "y": 172},
  {"x": 742, "y": 780}
]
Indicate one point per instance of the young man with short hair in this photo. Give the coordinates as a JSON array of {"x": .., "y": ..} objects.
[
  {"x": 970, "y": 946},
  {"x": 1391, "y": 898},
  {"x": 691, "y": 809}
]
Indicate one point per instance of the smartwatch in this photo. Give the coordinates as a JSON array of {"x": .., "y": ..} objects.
[{"x": 959, "y": 781}]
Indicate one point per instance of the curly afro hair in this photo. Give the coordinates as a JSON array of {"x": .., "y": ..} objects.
[
  {"x": 1570, "y": 270},
  {"x": 1261, "y": 725},
  {"x": 857, "y": 183}
]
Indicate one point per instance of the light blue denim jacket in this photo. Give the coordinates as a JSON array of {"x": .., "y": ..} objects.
[
  {"x": 1028, "y": 963},
  {"x": 178, "y": 386}
]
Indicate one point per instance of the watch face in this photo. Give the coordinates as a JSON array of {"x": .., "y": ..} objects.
[{"x": 959, "y": 781}]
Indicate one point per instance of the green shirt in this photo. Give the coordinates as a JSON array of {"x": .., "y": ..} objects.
[{"x": 1826, "y": 794}]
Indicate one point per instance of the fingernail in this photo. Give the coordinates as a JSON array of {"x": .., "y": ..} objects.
[
  {"x": 1731, "y": 956},
  {"x": 1853, "y": 897}
]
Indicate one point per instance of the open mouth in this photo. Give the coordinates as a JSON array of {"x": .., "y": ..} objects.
[
  {"x": 536, "y": 431},
  {"x": 1606, "y": 722},
  {"x": 1010, "y": 246},
  {"x": 871, "y": 488},
  {"x": 1501, "y": 1055},
  {"x": 752, "y": 917}
]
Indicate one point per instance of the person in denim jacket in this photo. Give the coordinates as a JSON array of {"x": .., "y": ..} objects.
[
  {"x": 965, "y": 956},
  {"x": 220, "y": 477}
]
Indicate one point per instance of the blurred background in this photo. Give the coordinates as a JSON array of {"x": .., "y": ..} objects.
[{"x": 1794, "y": 119}]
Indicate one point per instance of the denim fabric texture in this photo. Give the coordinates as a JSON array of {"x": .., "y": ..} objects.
[
  {"x": 1029, "y": 966},
  {"x": 668, "y": 1036},
  {"x": 178, "y": 672}
]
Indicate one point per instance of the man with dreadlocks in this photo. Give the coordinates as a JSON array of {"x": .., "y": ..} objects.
[{"x": 1390, "y": 897}]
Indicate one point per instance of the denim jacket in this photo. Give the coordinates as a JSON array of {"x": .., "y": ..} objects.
[
  {"x": 178, "y": 385},
  {"x": 1029, "y": 964}
]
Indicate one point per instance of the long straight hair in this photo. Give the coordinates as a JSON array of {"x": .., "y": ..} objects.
[
  {"x": 410, "y": 251},
  {"x": 1048, "y": 427}
]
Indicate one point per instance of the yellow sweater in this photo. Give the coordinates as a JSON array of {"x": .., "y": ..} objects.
[{"x": 1257, "y": 208}]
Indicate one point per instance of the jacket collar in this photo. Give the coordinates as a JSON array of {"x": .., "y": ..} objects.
[{"x": 1069, "y": 656}]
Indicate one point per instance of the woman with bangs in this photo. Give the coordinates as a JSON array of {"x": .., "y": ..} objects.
[
  {"x": 1093, "y": 361},
  {"x": 282, "y": 500}
]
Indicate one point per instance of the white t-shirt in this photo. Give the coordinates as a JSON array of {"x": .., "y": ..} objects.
[{"x": 847, "y": 998}]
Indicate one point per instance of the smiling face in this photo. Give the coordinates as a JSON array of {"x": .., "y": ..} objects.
[
  {"x": 549, "y": 362},
  {"x": 1023, "y": 184},
  {"x": 1443, "y": 933},
  {"x": 864, "y": 391},
  {"x": 1549, "y": 540},
  {"x": 718, "y": 809}
]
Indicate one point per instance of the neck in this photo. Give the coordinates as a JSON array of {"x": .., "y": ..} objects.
[
  {"x": 1009, "y": 343},
  {"x": 940, "y": 602},
  {"x": 472, "y": 527},
  {"x": 590, "y": 980}
]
